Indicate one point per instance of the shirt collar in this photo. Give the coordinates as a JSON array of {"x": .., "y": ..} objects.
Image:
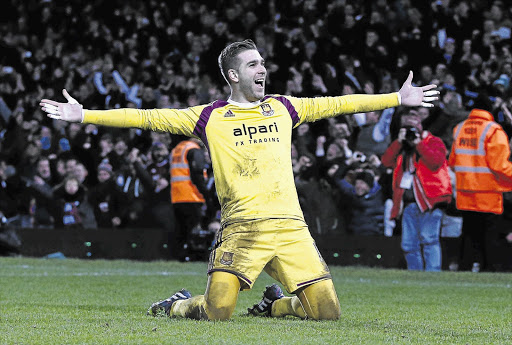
[{"x": 245, "y": 104}]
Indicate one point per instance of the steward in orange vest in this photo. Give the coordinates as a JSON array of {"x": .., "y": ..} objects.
[
  {"x": 479, "y": 158},
  {"x": 183, "y": 190}
]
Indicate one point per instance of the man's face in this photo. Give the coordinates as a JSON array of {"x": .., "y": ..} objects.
[
  {"x": 43, "y": 168},
  {"x": 80, "y": 172},
  {"x": 251, "y": 75},
  {"x": 70, "y": 166}
]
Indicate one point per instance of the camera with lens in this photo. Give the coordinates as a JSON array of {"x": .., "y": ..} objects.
[{"x": 411, "y": 134}]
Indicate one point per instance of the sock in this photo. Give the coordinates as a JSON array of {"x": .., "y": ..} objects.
[
  {"x": 288, "y": 306},
  {"x": 192, "y": 308}
]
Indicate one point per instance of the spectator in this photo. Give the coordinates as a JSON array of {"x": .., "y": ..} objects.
[
  {"x": 365, "y": 203},
  {"x": 40, "y": 187},
  {"x": 117, "y": 157},
  {"x": 14, "y": 199},
  {"x": 105, "y": 198},
  {"x": 421, "y": 187},
  {"x": 131, "y": 181},
  {"x": 159, "y": 190},
  {"x": 316, "y": 198},
  {"x": 105, "y": 147},
  {"x": 72, "y": 209}
]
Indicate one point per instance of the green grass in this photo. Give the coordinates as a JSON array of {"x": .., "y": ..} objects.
[{"x": 104, "y": 302}]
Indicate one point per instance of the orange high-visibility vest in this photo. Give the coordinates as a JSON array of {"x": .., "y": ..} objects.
[
  {"x": 470, "y": 164},
  {"x": 478, "y": 187},
  {"x": 182, "y": 188}
]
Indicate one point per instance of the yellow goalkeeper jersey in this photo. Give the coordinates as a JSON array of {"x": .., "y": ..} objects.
[{"x": 249, "y": 144}]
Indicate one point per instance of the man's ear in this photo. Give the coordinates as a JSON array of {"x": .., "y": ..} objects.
[{"x": 233, "y": 75}]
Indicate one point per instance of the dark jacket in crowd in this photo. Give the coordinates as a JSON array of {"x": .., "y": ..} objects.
[{"x": 366, "y": 213}]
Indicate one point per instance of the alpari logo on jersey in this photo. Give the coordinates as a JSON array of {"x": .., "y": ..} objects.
[
  {"x": 252, "y": 130},
  {"x": 266, "y": 109}
]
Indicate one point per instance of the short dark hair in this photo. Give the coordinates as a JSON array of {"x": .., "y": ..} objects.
[{"x": 228, "y": 57}]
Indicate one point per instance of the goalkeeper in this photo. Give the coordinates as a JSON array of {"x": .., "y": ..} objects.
[{"x": 263, "y": 228}]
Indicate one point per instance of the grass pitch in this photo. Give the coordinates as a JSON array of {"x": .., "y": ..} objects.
[{"x": 104, "y": 302}]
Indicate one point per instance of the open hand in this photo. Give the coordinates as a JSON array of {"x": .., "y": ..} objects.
[
  {"x": 413, "y": 96},
  {"x": 70, "y": 111}
]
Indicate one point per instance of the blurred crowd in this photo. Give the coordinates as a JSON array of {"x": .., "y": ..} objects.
[{"x": 160, "y": 54}]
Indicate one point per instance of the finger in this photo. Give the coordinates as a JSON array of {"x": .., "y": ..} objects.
[
  {"x": 68, "y": 97},
  {"x": 426, "y": 105},
  {"x": 58, "y": 117},
  {"x": 431, "y": 93},
  {"x": 409, "y": 78},
  {"x": 430, "y": 99},
  {"x": 52, "y": 111},
  {"x": 51, "y": 107},
  {"x": 428, "y": 87},
  {"x": 49, "y": 101}
]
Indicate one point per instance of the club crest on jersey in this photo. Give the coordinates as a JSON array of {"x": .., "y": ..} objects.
[
  {"x": 227, "y": 258},
  {"x": 266, "y": 109}
]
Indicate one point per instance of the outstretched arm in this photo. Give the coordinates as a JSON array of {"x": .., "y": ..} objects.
[
  {"x": 177, "y": 121},
  {"x": 313, "y": 109}
]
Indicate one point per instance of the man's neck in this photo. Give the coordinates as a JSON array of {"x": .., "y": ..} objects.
[{"x": 245, "y": 104}]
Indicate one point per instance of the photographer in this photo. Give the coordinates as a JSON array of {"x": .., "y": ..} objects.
[{"x": 421, "y": 186}]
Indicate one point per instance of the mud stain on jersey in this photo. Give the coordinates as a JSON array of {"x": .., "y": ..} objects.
[
  {"x": 247, "y": 168},
  {"x": 274, "y": 194}
]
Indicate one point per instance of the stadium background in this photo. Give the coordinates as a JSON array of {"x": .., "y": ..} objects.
[{"x": 111, "y": 54}]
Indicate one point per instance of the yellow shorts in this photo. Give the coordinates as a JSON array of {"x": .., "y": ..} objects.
[{"x": 283, "y": 248}]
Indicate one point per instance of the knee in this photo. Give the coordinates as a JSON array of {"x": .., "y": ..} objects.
[
  {"x": 331, "y": 312},
  {"x": 320, "y": 301},
  {"x": 218, "y": 314},
  {"x": 219, "y": 310},
  {"x": 410, "y": 247}
]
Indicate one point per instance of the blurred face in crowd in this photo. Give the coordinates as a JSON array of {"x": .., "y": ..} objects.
[
  {"x": 361, "y": 188},
  {"x": 426, "y": 73},
  {"x": 74, "y": 129},
  {"x": 120, "y": 147},
  {"x": 71, "y": 186},
  {"x": 80, "y": 172},
  {"x": 160, "y": 153},
  {"x": 46, "y": 131},
  {"x": 70, "y": 166},
  {"x": 372, "y": 117},
  {"x": 371, "y": 38},
  {"x": 423, "y": 113},
  {"x": 249, "y": 77},
  {"x": 43, "y": 168},
  {"x": 3, "y": 165},
  {"x": 339, "y": 131},
  {"x": 106, "y": 144},
  {"x": 214, "y": 226},
  {"x": 103, "y": 176},
  {"x": 33, "y": 150},
  {"x": 333, "y": 152},
  {"x": 61, "y": 167}
]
